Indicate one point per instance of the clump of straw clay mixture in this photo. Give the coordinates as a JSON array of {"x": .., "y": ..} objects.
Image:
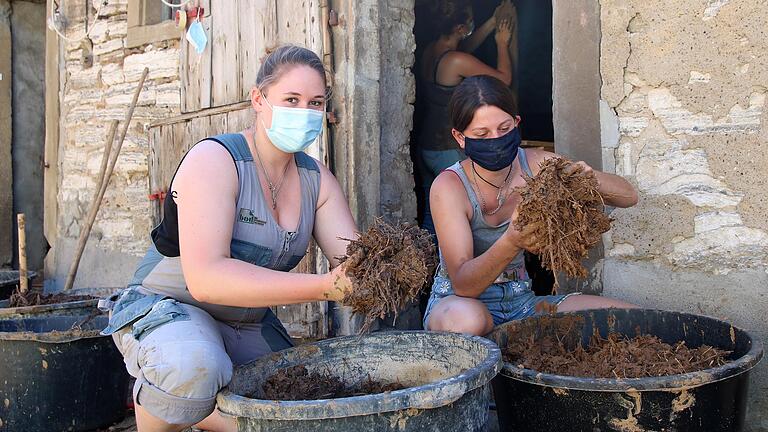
[
  {"x": 563, "y": 212},
  {"x": 388, "y": 265}
]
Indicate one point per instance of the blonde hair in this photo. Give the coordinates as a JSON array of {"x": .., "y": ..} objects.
[{"x": 281, "y": 59}]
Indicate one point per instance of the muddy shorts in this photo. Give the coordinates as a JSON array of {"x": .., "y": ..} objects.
[
  {"x": 181, "y": 356},
  {"x": 505, "y": 301}
]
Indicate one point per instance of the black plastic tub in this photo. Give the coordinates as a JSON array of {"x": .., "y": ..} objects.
[
  {"x": 80, "y": 307},
  {"x": 714, "y": 399},
  {"x": 59, "y": 374},
  {"x": 447, "y": 377},
  {"x": 9, "y": 280}
]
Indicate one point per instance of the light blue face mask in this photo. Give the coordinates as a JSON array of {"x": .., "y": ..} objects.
[
  {"x": 196, "y": 36},
  {"x": 293, "y": 129}
]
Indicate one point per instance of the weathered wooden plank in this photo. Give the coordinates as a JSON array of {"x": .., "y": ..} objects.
[
  {"x": 251, "y": 43},
  {"x": 225, "y": 64},
  {"x": 291, "y": 22},
  {"x": 219, "y": 125},
  {"x": 239, "y": 120},
  {"x": 196, "y": 69},
  {"x": 202, "y": 113},
  {"x": 270, "y": 23}
]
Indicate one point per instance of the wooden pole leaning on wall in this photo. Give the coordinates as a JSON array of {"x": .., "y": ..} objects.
[
  {"x": 113, "y": 152},
  {"x": 23, "y": 279}
]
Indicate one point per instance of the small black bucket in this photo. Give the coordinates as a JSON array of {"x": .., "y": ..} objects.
[
  {"x": 59, "y": 374},
  {"x": 447, "y": 377},
  {"x": 713, "y": 399}
]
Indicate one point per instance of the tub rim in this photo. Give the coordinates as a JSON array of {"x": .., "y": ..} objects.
[
  {"x": 428, "y": 396},
  {"x": 676, "y": 382},
  {"x": 53, "y": 336}
]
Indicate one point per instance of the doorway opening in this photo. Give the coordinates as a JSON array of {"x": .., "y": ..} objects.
[{"x": 530, "y": 49}]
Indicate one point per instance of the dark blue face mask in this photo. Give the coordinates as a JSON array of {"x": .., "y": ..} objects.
[{"x": 493, "y": 154}]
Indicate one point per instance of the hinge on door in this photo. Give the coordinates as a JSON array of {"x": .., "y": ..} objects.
[{"x": 332, "y": 118}]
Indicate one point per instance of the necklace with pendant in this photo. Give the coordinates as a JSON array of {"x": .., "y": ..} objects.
[
  {"x": 500, "y": 197},
  {"x": 274, "y": 189}
]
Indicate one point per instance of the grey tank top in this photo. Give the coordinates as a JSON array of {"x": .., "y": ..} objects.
[
  {"x": 257, "y": 238},
  {"x": 484, "y": 235}
]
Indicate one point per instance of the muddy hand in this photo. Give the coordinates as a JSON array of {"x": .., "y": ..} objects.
[
  {"x": 339, "y": 284},
  {"x": 524, "y": 238},
  {"x": 580, "y": 167}
]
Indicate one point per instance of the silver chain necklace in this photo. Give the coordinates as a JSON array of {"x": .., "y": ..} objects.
[
  {"x": 501, "y": 199},
  {"x": 273, "y": 189}
]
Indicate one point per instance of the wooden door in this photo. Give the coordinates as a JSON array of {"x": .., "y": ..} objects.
[{"x": 214, "y": 100}]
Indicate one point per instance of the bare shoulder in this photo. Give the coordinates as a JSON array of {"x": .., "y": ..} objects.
[
  {"x": 448, "y": 190},
  {"x": 460, "y": 58},
  {"x": 537, "y": 156},
  {"x": 207, "y": 152},
  {"x": 207, "y": 161}
]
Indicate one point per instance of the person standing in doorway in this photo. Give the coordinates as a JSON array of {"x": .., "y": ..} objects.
[{"x": 242, "y": 210}]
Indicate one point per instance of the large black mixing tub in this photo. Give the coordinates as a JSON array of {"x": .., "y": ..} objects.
[
  {"x": 447, "y": 376},
  {"x": 714, "y": 399},
  {"x": 58, "y": 374}
]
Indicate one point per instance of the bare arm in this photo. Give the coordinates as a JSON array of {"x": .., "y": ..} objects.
[
  {"x": 206, "y": 192},
  {"x": 478, "y": 36},
  {"x": 469, "y": 275},
  {"x": 333, "y": 219},
  {"x": 467, "y": 65},
  {"x": 615, "y": 190}
]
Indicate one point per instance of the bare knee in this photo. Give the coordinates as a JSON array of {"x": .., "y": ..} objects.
[{"x": 467, "y": 316}]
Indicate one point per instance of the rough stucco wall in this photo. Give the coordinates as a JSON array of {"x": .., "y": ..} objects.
[
  {"x": 27, "y": 28},
  {"x": 397, "y": 96},
  {"x": 91, "y": 98},
  {"x": 683, "y": 116},
  {"x": 6, "y": 169}
]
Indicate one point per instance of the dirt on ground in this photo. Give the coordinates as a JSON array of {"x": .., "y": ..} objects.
[
  {"x": 297, "y": 383},
  {"x": 388, "y": 265},
  {"x": 562, "y": 212},
  {"x": 553, "y": 346},
  {"x": 34, "y": 298}
]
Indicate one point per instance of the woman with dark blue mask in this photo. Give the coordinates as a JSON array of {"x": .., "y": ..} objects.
[{"x": 481, "y": 281}]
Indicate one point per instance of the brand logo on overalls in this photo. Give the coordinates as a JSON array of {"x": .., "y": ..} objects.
[{"x": 247, "y": 216}]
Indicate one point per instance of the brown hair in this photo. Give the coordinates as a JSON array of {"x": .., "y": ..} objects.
[
  {"x": 451, "y": 13},
  {"x": 281, "y": 59},
  {"x": 475, "y": 92}
]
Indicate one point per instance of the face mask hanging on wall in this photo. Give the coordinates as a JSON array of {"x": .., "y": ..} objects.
[{"x": 197, "y": 37}]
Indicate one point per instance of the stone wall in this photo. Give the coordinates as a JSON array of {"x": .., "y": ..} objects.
[
  {"x": 683, "y": 116},
  {"x": 398, "y": 94},
  {"x": 92, "y": 96}
]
